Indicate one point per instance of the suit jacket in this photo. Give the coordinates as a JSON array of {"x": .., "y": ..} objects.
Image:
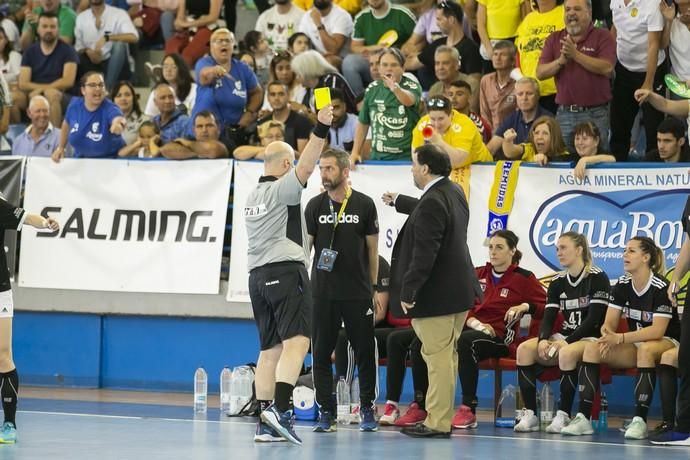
[{"x": 431, "y": 264}]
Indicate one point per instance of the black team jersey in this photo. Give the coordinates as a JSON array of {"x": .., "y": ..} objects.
[
  {"x": 582, "y": 302},
  {"x": 640, "y": 308},
  {"x": 11, "y": 218}
]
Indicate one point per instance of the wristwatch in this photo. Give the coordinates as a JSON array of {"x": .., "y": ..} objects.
[{"x": 321, "y": 27}]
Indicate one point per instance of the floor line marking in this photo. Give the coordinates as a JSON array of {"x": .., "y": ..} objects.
[{"x": 308, "y": 428}]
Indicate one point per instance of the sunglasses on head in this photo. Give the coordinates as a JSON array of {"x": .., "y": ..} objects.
[
  {"x": 451, "y": 6},
  {"x": 437, "y": 103}
]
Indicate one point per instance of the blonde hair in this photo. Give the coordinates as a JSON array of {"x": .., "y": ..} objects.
[
  {"x": 580, "y": 241},
  {"x": 263, "y": 128},
  {"x": 310, "y": 65}
]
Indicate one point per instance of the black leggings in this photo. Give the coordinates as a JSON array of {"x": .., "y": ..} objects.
[
  {"x": 683, "y": 418},
  {"x": 327, "y": 317},
  {"x": 396, "y": 345},
  {"x": 473, "y": 347}
]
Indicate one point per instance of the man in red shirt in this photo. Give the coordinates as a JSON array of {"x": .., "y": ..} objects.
[{"x": 581, "y": 58}]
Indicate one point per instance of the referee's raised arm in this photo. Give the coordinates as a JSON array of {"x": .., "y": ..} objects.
[{"x": 317, "y": 141}]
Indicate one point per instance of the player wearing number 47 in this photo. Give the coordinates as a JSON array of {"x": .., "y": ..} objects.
[
  {"x": 433, "y": 280},
  {"x": 576, "y": 304}
]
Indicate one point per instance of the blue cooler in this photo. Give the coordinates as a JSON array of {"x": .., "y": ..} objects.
[{"x": 304, "y": 401}]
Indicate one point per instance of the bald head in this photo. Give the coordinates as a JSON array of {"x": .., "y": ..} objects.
[
  {"x": 277, "y": 154},
  {"x": 39, "y": 113},
  {"x": 39, "y": 101}
]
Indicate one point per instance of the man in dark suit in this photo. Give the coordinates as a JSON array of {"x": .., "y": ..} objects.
[{"x": 433, "y": 279}]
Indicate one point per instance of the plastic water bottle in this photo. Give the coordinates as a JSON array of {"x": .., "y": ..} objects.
[
  {"x": 240, "y": 389},
  {"x": 507, "y": 405},
  {"x": 354, "y": 401},
  {"x": 547, "y": 405},
  {"x": 343, "y": 401},
  {"x": 225, "y": 384},
  {"x": 604, "y": 414},
  {"x": 200, "y": 391}
]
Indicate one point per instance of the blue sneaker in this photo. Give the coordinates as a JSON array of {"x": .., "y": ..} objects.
[
  {"x": 282, "y": 423},
  {"x": 8, "y": 435},
  {"x": 368, "y": 422},
  {"x": 326, "y": 423},
  {"x": 265, "y": 433},
  {"x": 671, "y": 438}
]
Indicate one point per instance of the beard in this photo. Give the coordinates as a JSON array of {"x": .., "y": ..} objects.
[
  {"x": 322, "y": 4},
  {"x": 332, "y": 184},
  {"x": 49, "y": 38}
]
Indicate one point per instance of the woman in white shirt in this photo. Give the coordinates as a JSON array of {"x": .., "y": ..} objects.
[
  {"x": 177, "y": 74},
  {"x": 10, "y": 63}
]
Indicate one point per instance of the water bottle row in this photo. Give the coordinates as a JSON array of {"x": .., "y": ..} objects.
[
  {"x": 347, "y": 401},
  {"x": 546, "y": 408},
  {"x": 235, "y": 389}
]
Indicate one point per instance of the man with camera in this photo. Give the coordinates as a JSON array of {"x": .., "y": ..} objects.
[{"x": 342, "y": 224}]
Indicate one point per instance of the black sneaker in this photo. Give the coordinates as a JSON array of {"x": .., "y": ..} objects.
[{"x": 661, "y": 429}]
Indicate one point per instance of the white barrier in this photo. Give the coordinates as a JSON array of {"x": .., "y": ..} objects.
[
  {"x": 372, "y": 180},
  {"x": 609, "y": 206},
  {"x": 126, "y": 225}
]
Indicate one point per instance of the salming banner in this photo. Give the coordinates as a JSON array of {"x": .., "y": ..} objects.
[{"x": 137, "y": 226}]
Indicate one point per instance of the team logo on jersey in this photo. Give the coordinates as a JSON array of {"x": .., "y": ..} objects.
[
  {"x": 75, "y": 128},
  {"x": 647, "y": 316},
  {"x": 93, "y": 134},
  {"x": 610, "y": 219},
  {"x": 504, "y": 292},
  {"x": 238, "y": 91},
  {"x": 482, "y": 284}
]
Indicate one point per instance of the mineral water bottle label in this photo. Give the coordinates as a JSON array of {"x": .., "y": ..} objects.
[{"x": 344, "y": 413}]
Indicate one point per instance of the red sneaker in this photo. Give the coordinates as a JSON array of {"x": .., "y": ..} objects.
[
  {"x": 413, "y": 416},
  {"x": 464, "y": 418},
  {"x": 390, "y": 414}
]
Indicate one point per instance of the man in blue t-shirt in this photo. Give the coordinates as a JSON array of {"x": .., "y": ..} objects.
[
  {"x": 49, "y": 68},
  {"x": 93, "y": 124}
]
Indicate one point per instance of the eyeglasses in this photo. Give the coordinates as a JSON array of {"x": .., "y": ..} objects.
[
  {"x": 222, "y": 41},
  {"x": 95, "y": 85},
  {"x": 438, "y": 103}
]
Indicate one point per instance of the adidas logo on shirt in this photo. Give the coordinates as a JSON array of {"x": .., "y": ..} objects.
[{"x": 344, "y": 219}]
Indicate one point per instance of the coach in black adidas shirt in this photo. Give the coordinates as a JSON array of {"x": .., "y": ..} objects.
[{"x": 343, "y": 226}]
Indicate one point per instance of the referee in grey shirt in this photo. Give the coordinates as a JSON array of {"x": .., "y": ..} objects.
[{"x": 278, "y": 282}]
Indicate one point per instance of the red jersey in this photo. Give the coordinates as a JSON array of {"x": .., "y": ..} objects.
[{"x": 515, "y": 287}]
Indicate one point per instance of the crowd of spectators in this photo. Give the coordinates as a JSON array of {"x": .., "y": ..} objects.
[{"x": 537, "y": 80}]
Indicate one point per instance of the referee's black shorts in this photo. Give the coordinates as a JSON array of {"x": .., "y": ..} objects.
[{"x": 281, "y": 300}]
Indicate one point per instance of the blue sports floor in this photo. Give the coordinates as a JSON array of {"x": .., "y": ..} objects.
[{"x": 76, "y": 430}]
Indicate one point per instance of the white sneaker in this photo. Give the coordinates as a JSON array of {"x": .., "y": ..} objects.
[
  {"x": 528, "y": 422},
  {"x": 578, "y": 426},
  {"x": 560, "y": 421},
  {"x": 637, "y": 429}
]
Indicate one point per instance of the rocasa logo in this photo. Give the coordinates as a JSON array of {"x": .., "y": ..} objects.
[
  {"x": 344, "y": 219},
  {"x": 609, "y": 220}
]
